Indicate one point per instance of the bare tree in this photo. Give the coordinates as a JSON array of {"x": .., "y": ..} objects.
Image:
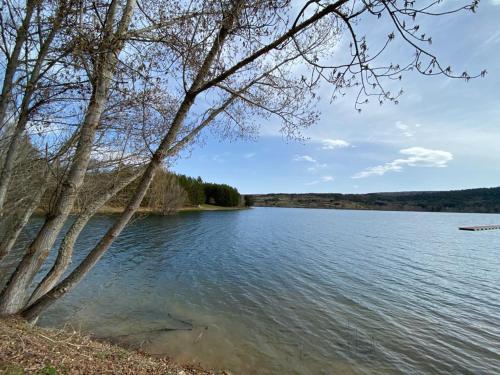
[
  {"x": 65, "y": 251},
  {"x": 13, "y": 296},
  {"x": 165, "y": 195},
  {"x": 9, "y": 27},
  {"x": 29, "y": 184},
  {"x": 186, "y": 67},
  {"x": 34, "y": 72}
]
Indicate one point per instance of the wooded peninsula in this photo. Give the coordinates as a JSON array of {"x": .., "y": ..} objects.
[{"x": 168, "y": 193}]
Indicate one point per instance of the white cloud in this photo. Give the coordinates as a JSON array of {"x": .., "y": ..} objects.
[
  {"x": 104, "y": 153},
  {"x": 249, "y": 155},
  {"x": 333, "y": 144},
  {"x": 495, "y": 2},
  {"x": 401, "y": 126},
  {"x": 316, "y": 167},
  {"x": 108, "y": 155},
  {"x": 407, "y": 130},
  {"x": 417, "y": 157},
  {"x": 323, "y": 179},
  {"x": 307, "y": 158},
  {"x": 423, "y": 157}
]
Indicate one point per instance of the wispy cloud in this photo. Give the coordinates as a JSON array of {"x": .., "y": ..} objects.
[
  {"x": 495, "y": 2},
  {"x": 306, "y": 158},
  {"x": 108, "y": 154},
  {"x": 316, "y": 167},
  {"x": 249, "y": 155},
  {"x": 492, "y": 39},
  {"x": 315, "y": 182},
  {"x": 407, "y": 130},
  {"x": 417, "y": 157},
  {"x": 322, "y": 179},
  {"x": 333, "y": 144}
]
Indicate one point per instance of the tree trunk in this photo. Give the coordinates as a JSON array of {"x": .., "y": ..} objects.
[
  {"x": 13, "y": 295},
  {"x": 8, "y": 242},
  {"x": 65, "y": 251},
  {"x": 10, "y": 71},
  {"x": 32, "y": 312},
  {"x": 10, "y": 158},
  {"x": 12, "y": 298}
]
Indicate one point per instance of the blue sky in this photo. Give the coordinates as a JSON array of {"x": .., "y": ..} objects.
[{"x": 444, "y": 134}]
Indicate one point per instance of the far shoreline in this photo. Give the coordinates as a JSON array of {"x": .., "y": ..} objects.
[
  {"x": 107, "y": 210},
  {"x": 377, "y": 210}
]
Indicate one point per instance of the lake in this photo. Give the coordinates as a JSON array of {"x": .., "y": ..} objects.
[{"x": 297, "y": 291}]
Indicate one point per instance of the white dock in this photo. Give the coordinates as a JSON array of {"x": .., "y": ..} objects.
[{"x": 480, "y": 227}]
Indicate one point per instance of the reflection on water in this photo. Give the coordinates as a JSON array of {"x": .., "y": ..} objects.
[{"x": 296, "y": 291}]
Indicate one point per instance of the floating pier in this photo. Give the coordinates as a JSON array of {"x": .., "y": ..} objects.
[{"x": 480, "y": 227}]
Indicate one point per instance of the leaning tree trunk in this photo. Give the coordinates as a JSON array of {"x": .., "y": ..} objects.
[
  {"x": 65, "y": 251},
  {"x": 11, "y": 237},
  {"x": 32, "y": 312},
  {"x": 15, "y": 138},
  {"x": 13, "y": 295},
  {"x": 10, "y": 71},
  {"x": 12, "y": 298}
]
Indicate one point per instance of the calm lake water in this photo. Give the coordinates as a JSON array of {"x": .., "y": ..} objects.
[{"x": 298, "y": 291}]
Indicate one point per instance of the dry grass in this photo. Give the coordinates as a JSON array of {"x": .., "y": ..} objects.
[{"x": 32, "y": 350}]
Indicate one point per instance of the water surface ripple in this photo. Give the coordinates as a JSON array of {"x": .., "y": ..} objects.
[{"x": 297, "y": 291}]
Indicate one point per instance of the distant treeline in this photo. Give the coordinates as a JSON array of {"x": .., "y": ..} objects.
[
  {"x": 200, "y": 192},
  {"x": 484, "y": 200},
  {"x": 166, "y": 194}
]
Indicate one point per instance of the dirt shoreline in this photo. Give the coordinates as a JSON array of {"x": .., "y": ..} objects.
[{"x": 26, "y": 349}]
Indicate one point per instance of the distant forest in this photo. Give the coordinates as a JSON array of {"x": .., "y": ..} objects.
[
  {"x": 484, "y": 200},
  {"x": 200, "y": 192},
  {"x": 166, "y": 194}
]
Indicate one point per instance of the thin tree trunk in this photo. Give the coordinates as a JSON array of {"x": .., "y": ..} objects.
[
  {"x": 32, "y": 312},
  {"x": 10, "y": 157},
  {"x": 65, "y": 251},
  {"x": 8, "y": 242},
  {"x": 12, "y": 298},
  {"x": 10, "y": 71},
  {"x": 13, "y": 295}
]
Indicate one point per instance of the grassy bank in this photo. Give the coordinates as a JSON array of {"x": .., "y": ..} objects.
[{"x": 33, "y": 350}]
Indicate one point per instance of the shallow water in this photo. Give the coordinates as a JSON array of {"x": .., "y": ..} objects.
[{"x": 298, "y": 291}]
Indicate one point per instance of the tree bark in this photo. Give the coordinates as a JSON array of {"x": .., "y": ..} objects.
[
  {"x": 32, "y": 312},
  {"x": 10, "y": 157},
  {"x": 12, "y": 298},
  {"x": 65, "y": 251},
  {"x": 8, "y": 242},
  {"x": 10, "y": 71}
]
